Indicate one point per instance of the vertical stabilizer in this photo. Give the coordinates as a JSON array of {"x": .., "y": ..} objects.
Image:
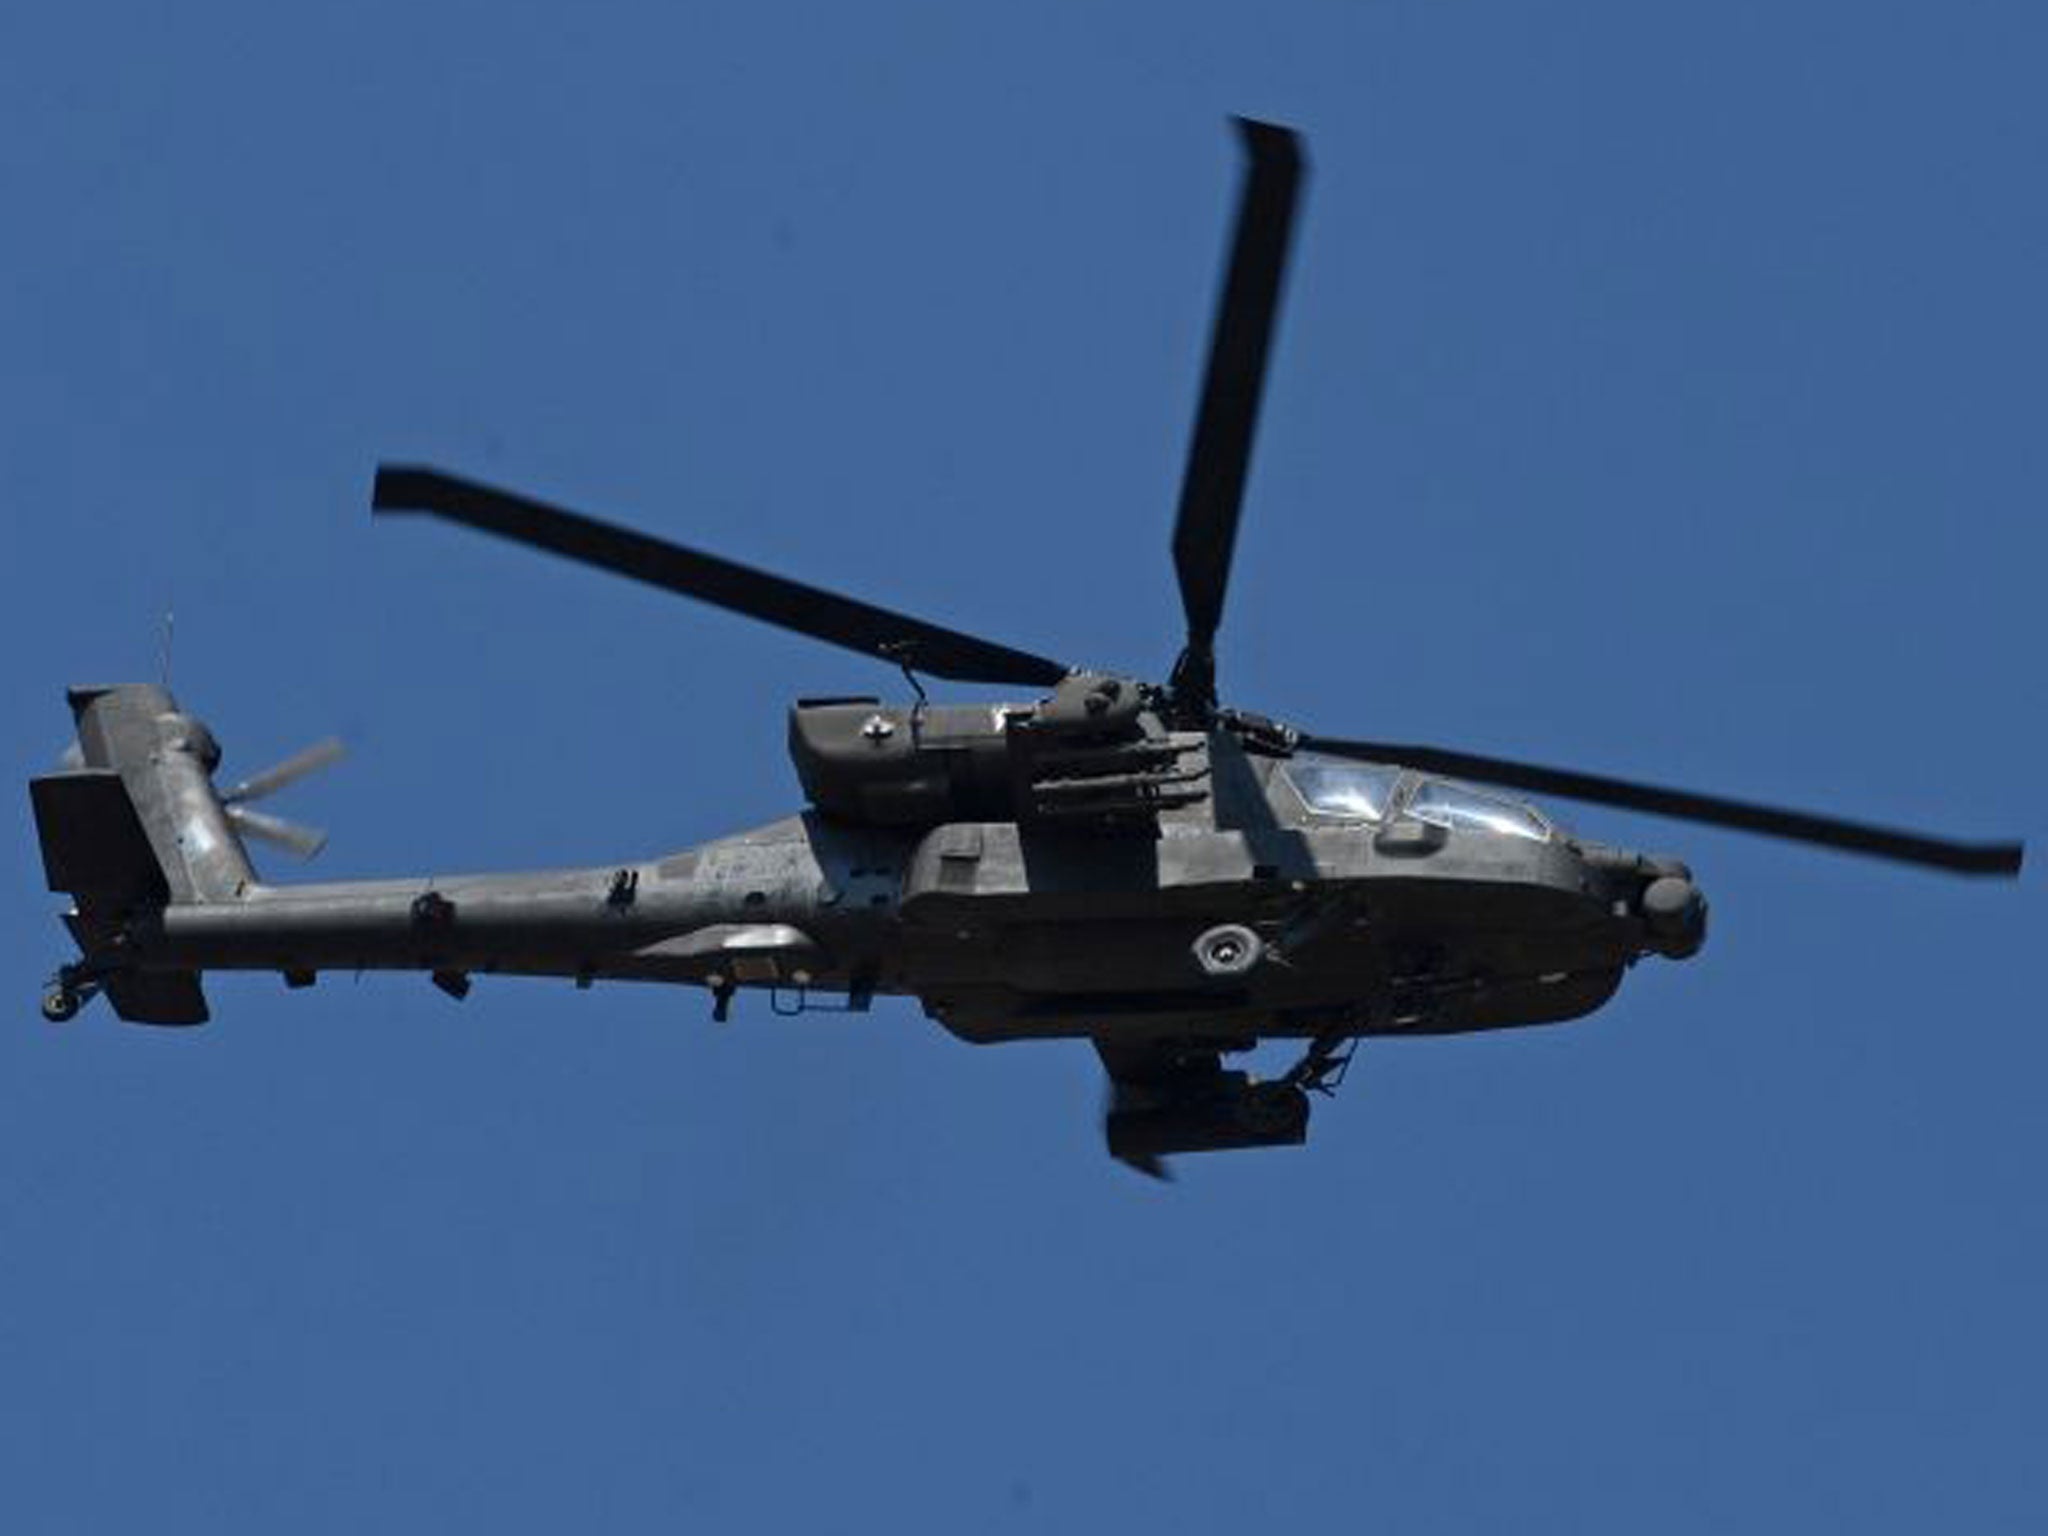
[
  {"x": 133, "y": 827},
  {"x": 165, "y": 760}
]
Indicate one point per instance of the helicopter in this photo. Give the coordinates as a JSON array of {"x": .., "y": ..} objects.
[{"x": 1115, "y": 860}]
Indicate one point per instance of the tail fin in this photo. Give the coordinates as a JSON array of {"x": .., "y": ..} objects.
[
  {"x": 137, "y": 826},
  {"x": 163, "y": 760}
]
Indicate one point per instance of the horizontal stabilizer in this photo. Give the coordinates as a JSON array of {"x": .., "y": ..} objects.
[
  {"x": 157, "y": 997},
  {"x": 94, "y": 847}
]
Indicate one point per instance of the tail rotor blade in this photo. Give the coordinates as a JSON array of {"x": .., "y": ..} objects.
[
  {"x": 290, "y": 771},
  {"x": 1219, "y": 453},
  {"x": 293, "y": 836},
  {"x": 1997, "y": 859}
]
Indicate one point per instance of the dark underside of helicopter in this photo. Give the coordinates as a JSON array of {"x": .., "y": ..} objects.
[{"x": 1120, "y": 860}]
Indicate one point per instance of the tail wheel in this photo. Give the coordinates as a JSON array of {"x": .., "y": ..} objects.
[{"x": 61, "y": 1004}]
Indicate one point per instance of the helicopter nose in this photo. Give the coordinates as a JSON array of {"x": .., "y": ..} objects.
[{"x": 1675, "y": 913}]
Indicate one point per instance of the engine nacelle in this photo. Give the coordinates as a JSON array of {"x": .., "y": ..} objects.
[{"x": 1093, "y": 751}]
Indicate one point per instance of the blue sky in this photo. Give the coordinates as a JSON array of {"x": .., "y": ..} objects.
[{"x": 1659, "y": 392}]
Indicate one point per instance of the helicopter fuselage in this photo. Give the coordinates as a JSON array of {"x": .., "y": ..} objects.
[{"x": 1249, "y": 908}]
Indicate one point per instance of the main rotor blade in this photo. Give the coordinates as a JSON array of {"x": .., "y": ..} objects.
[
  {"x": 2001, "y": 859},
  {"x": 894, "y": 637},
  {"x": 1212, "y": 489}
]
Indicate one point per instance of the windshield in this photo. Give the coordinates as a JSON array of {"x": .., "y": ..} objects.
[
  {"x": 1456, "y": 806},
  {"x": 1331, "y": 787}
]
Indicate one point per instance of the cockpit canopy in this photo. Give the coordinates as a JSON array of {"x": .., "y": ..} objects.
[
  {"x": 1334, "y": 786},
  {"x": 1375, "y": 792}
]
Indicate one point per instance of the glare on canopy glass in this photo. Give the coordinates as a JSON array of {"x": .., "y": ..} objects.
[
  {"x": 1458, "y": 807},
  {"x": 1330, "y": 786}
]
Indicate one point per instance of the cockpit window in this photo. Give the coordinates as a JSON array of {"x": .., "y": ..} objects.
[
  {"x": 1332, "y": 787},
  {"x": 1456, "y": 806}
]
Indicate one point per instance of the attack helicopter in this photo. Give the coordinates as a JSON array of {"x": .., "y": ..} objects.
[{"x": 1115, "y": 860}]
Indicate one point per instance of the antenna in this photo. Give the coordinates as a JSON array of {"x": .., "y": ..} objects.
[{"x": 170, "y": 634}]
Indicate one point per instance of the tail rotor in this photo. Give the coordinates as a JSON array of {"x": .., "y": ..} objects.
[{"x": 294, "y": 837}]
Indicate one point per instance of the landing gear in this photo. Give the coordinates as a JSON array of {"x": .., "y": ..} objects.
[
  {"x": 722, "y": 990},
  {"x": 66, "y": 995},
  {"x": 1278, "y": 1111},
  {"x": 1322, "y": 1067},
  {"x": 1199, "y": 1107},
  {"x": 1165, "y": 1101}
]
